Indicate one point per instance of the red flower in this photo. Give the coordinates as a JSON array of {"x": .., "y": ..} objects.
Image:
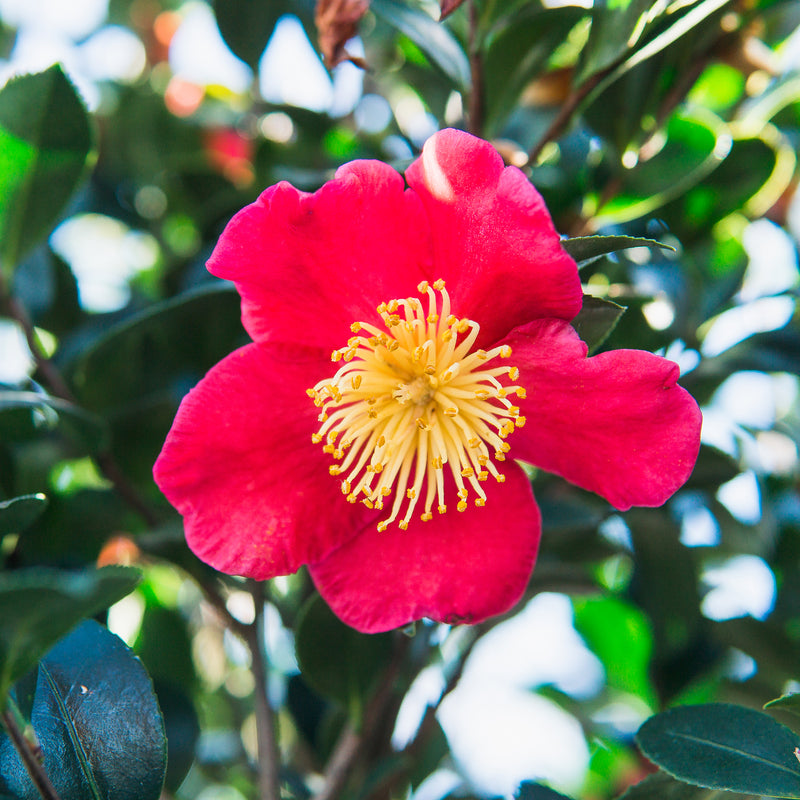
[{"x": 447, "y": 308}]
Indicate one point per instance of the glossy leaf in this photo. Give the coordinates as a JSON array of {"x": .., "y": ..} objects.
[
  {"x": 586, "y": 249},
  {"x": 663, "y": 786},
  {"x": 694, "y": 147},
  {"x": 45, "y": 140},
  {"x": 519, "y": 49},
  {"x": 723, "y": 746},
  {"x": 596, "y": 320},
  {"x": 150, "y": 354},
  {"x": 788, "y": 702},
  {"x": 20, "y": 512},
  {"x": 42, "y": 413},
  {"x": 336, "y": 660},
  {"x": 97, "y": 721},
  {"x": 616, "y": 27},
  {"x": 246, "y": 26},
  {"x": 537, "y": 791},
  {"x": 430, "y": 36},
  {"x": 38, "y": 606}
]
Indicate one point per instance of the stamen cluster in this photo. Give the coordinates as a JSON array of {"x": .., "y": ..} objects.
[{"x": 411, "y": 399}]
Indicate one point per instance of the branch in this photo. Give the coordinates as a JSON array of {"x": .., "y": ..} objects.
[
  {"x": 476, "y": 99},
  {"x": 268, "y": 753},
  {"x": 58, "y": 386},
  {"x": 28, "y": 755}
]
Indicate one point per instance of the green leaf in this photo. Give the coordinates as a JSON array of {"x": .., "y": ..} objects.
[
  {"x": 619, "y": 635},
  {"x": 683, "y": 24},
  {"x": 787, "y": 702},
  {"x": 96, "y": 718},
  {"x": 149, "y": 354},
  {"x": 246, "y": 26},
  {"x": 433, "y": 38},
  {"x": 44, "y": 413},
  {"x": 586, "y": 249},
  {"x": 723, "y": 746},
  {"x": 520, "y": 50},
  {"x": 537, "y": 791},
  {"x": 336, "y": 660},
  {"x": 596, "y": 319},
  {"x": 662, "y": 786},
  {"x": 38, "y": 606},
  {"x": 616, "y": 27},
  {"x": 694, "y": 147},
  {"x": 18, "y": 513},
  {"x": 45, "y": 140}
]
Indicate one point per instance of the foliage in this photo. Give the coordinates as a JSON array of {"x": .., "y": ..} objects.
[{"x": 663, "y": 137}]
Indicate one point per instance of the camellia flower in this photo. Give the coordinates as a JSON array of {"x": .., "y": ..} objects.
[{"x": 410, "y": 344}]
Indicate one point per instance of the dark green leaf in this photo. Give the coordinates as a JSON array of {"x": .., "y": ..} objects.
[
  {"x": 434, "y": 39},
  {"x": 44, "y": 413},
  {"x": 537, "y": 791},
  {"x": 149, "y": 356},
  {"x": 788, "y": 702},
  {"x": 694, "y": 147},
  {"x": 520, "y": 50},
  {"x": 20, "y": 512},
  {"x": 683, "y": 24},
  {"x": 45, "y": 140},
  {"x": 662, "y": 786},
  {"x": 246, "y": 26},
  {"x": 616, "y": 26},
  {"x": 38, "y": 606},
  {"x": 336, "y": 660},
  {"x": 585, "y": 249},
  {"x": 97, "y": 721},
  {"x": 723, "y": 746},
  {"x": 596, "y": 319}
]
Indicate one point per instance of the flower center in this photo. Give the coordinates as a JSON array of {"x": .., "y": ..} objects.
[{"x": 412, "y": 399}]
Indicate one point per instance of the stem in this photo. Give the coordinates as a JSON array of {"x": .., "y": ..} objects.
[
  {"x": 26, "y": 752},
  {"x": 58, "y": 386},
  {"x": 268, "y": 754},
  {"x": 475, "y": 113}
]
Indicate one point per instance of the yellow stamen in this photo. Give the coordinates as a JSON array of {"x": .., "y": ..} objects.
[{"x": 413, "y": 400}]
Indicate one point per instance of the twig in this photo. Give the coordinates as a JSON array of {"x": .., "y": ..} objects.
[
  {"x": 268, "y": 753},
  {"x": 29, "y": 758},
  {"x": 58, "y": 386}
]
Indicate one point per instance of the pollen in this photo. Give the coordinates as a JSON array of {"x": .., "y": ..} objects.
[{"x": 415, "y": 400}]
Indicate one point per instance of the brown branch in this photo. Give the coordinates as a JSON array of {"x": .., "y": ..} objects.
[
  {"x": 475, "y": 114},
  {"x": 29, "y": 757},
  {"x": 268, "y": 753}
]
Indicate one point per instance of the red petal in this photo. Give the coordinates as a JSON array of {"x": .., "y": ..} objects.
[
  {"x": 459, "y": 567},
  {"x": 493, "y": 238},
  {"x": 309, "y": 265},
  {"x": 239, "y": 464},
  {"x": 617, "y": 423}
]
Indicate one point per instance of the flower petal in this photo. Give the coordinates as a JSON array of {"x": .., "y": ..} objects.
[
  {"x": 309, "y": 265},
  {"x": 617, "y": 423},
  {"x": 460, "y": 567},
  {"x": 239, "y": 465},
  {"x": 493, "y": 238}
]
